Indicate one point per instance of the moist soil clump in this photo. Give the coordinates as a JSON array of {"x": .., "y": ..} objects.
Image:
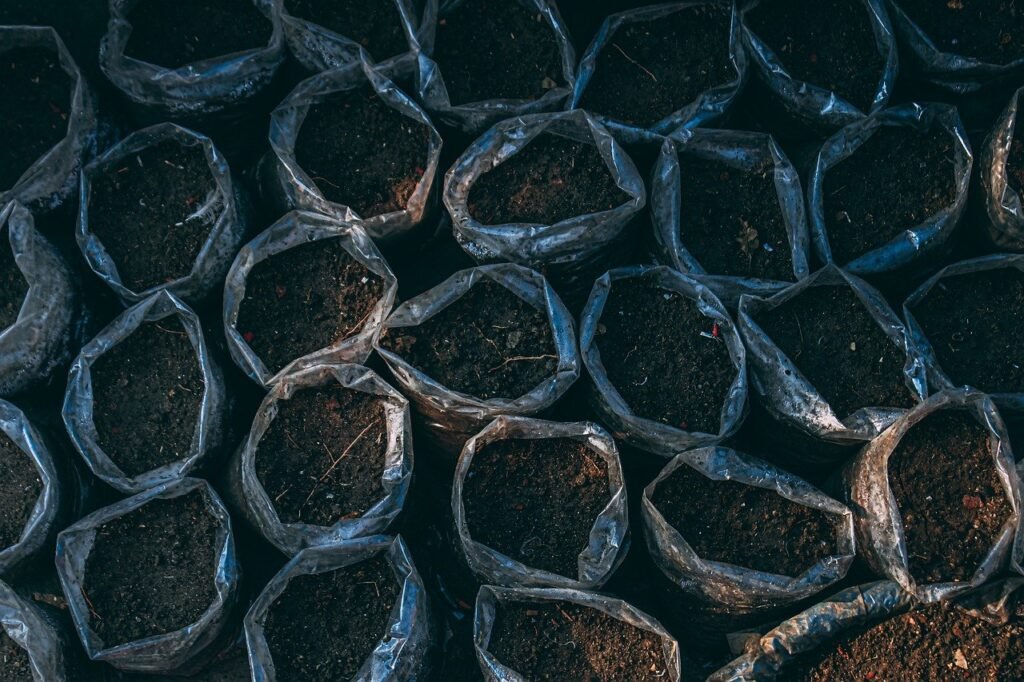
[
  {"x": 489, "y": 344},
  {"x": 839, "y": 348},
  {"x": 144, "y": 213},
  {"x": 147, "y": 394},
  {"x": 322, "y": 457},
  {"x": 893, "y": 182},
  {"x": 950, "y": 498},
  {"x": 20, "y": 487},
  {"x": 304, "y": 299},
  {"x": 1015, "y": 165},
  {"x": 362, "y": 153},
  {"x": 992, "y": 32},
  {"x": 173, "y": 34},
  {"x": 323, "y": 627},
  {"x": 667, "y": 360},
  {"x": 536, "y": 501},
  {"x": 127, "y": 598},
  {"x": 496, "y": 50},
  {"x": 651, "y": 69},
  {"x": 15, "y": 665},
  {"x": 564, "y": 641},
  {"x": 828, "y": 44},
  {"x": 13, "y": 286},
  {"x": 551, "y": 179},
  {"x": 375, "y": 25}
]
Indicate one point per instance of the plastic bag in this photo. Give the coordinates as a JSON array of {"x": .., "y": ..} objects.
[
  {"x": 1002, "y": 200},
  {"x": 608, "y": 537},
  {"x": 490, "y": 598},
  {"x": 210, "y": 429},
  {"x": 292, "y": 230},
  {"x": 648, "y": 434},
  {"x": 744, "y": 151},
  {"x": 226, "y": 204},
  {"x": 791, "y": 397},
  {"x": 162, "y": 653},
  {"x": 915, "y": 242},
  {"x": 401, "y": 652},
  {"x": 52, "y": 656}
]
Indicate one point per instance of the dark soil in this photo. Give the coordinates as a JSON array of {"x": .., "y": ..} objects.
[
  {"x": 15, "y": 665},
  {"x": 34, "y": 109},
  {"x": 552, "y": 179},
  {"x": 323, "y": 627},
  {"x": 128, "y": 599},
  {"x": 840, "y": 349},
  {"x": 142, "y": 211},
  {"x": 362, "y": 153},
  {"x": 1015, "y": 165},
  {"x": 13, "y": 286},
  {"x": 973, "y": 322},
  {"x": 20, "y": 487},
  {"x": 564, "y": 641},
  {"x": 147, "y": 394},
  {"x": 305, "y": 299},
  {"x": 893, "y": 182},
  {"x": 489, "y": 344},
  {"x": 653, "y": 68},
  {"x": 496, "y": 50},
  {"x": 173, "y": 34},
  {"x": 377, "y": 26},
  {"x": 322, "y": 457},
  {"x": 536, "y": 501},
  {"x": 952, "y": 502},
  {"x": 655, "y": 348},
  {"x": 991, "y": 32},
  {"x": 828, "y": 44}
]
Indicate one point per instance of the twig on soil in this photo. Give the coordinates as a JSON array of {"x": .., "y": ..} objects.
[
  {"x": 635, "y": 62},
  {"x": 92, "y": 609},
  {"x": 335, "y": 463},
  {"x": 523, "y": 358}
]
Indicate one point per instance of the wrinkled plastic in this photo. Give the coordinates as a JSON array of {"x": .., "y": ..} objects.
[
  {"x": 78, "y": 408},
  {"x": 161, "y": 653},
  {"x": 1002, "y": 201},
  {"x": 400, "y": 653},
  {"x": 292, "y": 230},
  {"x": 606, "y": 548},
  {"x": 791, "y": 397},
  {"x": 647, "y": 434},
  {"x": 489, "y": 599},
  {"x": 224, "y": 207},
  {"x": 918, "y": 240},
  {"x": 51, "y": 656}
]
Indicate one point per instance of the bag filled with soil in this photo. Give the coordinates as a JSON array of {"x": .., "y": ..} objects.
[
  {"x": 309, "y": 290},
  {"x": 827, "y": 63},
  {"x": 353, "y": 611},
  {"x": 329, "y": 458},
  {"x": 541, "y": 504},
  {"x": 349, "y": 143},
  {"x": 830, "y": 357},
  {"x": 561, "y": 634},
  {"x": 667, "y": 366},
  {"x": 146, "y": 401},
  {"x": 139, "y": 619},
  {"x": 889, "y": 189},
  {"x": 488, "y": 341},
  {"x": 161, "y": 211},
  {"x": 34, "y": 644},
  {"x": 484, "y": 62},
  {"x": 936, "y": 497},
  {"x": 727, "y": 209},
  {"x": 1002, "y": 179},
  {"x": 654, "y": 70}
]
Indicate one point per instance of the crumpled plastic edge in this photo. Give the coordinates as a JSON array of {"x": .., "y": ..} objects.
[{"x": 1002, "y": 201}]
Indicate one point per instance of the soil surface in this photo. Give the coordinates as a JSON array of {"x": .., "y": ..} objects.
[
  {"x": 552, "y": 179},
  {"x": 13, "y": 286},
  {"x": 973, "y": 322},
  {"x": 377, "y": 25},
  {"x": 20, "y": 487},
  {"x": 488, "y": 50},
  {"x": 992, "y": 31},
  {"x": 1015, "y": 165},
  {"x": 952, "y": 502},
  {"x": 656, "y": 350},
  {"x": 34, "y": 110},
  {"x": 536, "y": 501},
  {"x": 202, "y": 29},
  {"x": 828, "y": 333},
  {"x": 650, "y": 69},
  {"x": 489, "y": 344},
  {"x": 144, "y": 212},
  {"x": 828, "y": 44},
  {"x": 322, "y": 457},
  {"x": 304, "y": 299},
  {"x": 564, "y": 641},
  {"x": 324, "y": 626},
  {"x": 15, "y": 665},
  {"x": 362, "y": 153},
  {"x": 896, "y": 180},
  {"x": 147, "y": 394},
  {"x": 128, "y": 599}
]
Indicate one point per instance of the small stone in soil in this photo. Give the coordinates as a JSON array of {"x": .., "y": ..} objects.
[
  {"x": 20, "y": 487},
  {"x": 13, "y": 286},
  {"x": 377, "y": 26}
]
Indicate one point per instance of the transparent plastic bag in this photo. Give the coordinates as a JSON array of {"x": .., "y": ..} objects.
[
  {"x": 1002, "y": 201},
  {"x": 53, "y": 657}
]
